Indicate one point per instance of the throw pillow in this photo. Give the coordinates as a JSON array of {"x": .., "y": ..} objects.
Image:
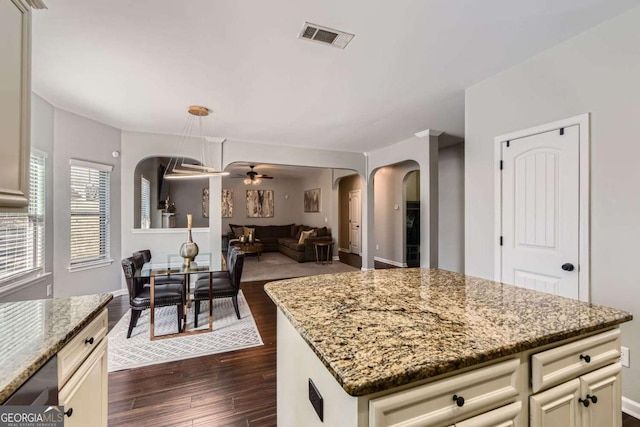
[
  {"x": 237, "y": 231},
  {"x": 247, "y": 230},
  {"x": 304, "y": 235}
]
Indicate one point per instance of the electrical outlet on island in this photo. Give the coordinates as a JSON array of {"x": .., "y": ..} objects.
[{"x": 624, "y": 357}]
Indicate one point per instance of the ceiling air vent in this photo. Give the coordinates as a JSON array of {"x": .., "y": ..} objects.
[{"x": 325, "y": 35}]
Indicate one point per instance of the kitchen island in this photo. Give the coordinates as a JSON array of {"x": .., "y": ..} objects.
[
  {"x": 73, "y": 330},
  {"x": 436, "y": 348}
]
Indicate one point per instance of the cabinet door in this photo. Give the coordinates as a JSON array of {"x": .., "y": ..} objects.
[
  {"x": 85, "y": 394},
  {"x": 507, "y": 416},
  {"x": 15, "y": 95},
  {"x": 556, "y": 407},
  {"x": 604, "y": 386}
]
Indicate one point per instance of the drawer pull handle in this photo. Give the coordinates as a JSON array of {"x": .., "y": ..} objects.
[
  {"x": 89, "y": 341},
  {"x": 459, "y": 400},
  {"x": 69, "y": 412},
  {"x": 586, "y": 358}
]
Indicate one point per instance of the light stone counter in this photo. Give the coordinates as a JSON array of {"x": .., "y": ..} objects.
[
  {"x": 380, "y": 329},
  {"x": 31, "y": 332}
]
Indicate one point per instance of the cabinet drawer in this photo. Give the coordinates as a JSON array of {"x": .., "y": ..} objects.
[
  {"x": 552, "y": 367},
  {"x": 432, "y": 404},
  {"x": 507, "y": 416},
  {"x": 76, "y": 351}
]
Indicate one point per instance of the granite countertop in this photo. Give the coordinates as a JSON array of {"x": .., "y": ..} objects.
[
  {"x": 375, "y": 330},
  {"x": 31, "y": 332}
]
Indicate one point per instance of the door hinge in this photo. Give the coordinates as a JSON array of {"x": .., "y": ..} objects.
[
  {"x": 501, "y": 164},
  {"x": 500, "y": 240},
  {"x": 508, "y": 143},
  {"x": 561, "y": 131}
]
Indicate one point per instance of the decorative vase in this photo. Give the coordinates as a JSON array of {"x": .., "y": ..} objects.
[{"x": 189, "y": 250}]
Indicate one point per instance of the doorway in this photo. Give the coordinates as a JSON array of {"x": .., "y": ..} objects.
[
  {"x": 411, "y": 190},
  {"x": 355, "y": 218},
  {"x": 542, "y": 208}
]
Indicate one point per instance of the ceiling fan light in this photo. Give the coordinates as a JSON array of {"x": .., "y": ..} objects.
[{"x": 247, "y": 181}]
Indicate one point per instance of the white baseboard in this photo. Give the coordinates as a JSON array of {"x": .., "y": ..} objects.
[
  {"x": 119, "y": 292},
  {"x": 631, "y": 407},
  {"x": 336, "y": 258},
  {"x": 390, "y": 262}
]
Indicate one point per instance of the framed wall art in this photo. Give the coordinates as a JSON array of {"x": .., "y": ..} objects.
[
  {"x": 312, "y": 200},
  {"x": 260, "y": 203},
  {"x": 227, "y": 203}
]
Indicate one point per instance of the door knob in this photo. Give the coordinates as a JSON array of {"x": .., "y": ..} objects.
[{"x": 568, "y": 267}]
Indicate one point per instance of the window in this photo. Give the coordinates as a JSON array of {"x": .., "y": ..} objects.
[
  {"x": 90, "y": 207},
  {"x": 22, "y": 234},
  {"x": 145, "y": 203}
]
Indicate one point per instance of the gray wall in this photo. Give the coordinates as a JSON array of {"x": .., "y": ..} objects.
[
  {"x": 451, "y": 208},
  {"x": 41, "y": 139},
  {"x": 389, "y": 222},
  {"x": 77, "y": 137},
  {"x": 596, "y": 72},
  {"x": 287, "y": 206},
  {"x": 318, "y": 178}
]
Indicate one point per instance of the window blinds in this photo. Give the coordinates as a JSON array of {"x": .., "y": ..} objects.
[
  {"x": 22, "y": 234},
  {"x": 145, "y": 203},
  {"x": 90, "y": 207}
]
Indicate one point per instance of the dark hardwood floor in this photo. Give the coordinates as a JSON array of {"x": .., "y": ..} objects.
[
  {"x": 231, "y": 389},
  {"x": 356, "y": 261},
  {"x": 629, "y": 421}
]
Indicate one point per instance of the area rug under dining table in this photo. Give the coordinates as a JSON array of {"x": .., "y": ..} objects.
[{"x": 229, "y": 334}]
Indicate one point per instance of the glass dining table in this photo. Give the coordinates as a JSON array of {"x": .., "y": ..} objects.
[{"x": 173, "y": 265}]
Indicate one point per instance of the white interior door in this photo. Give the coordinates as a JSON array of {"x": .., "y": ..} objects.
[
  {"x": 355, "y": 217},
  {"x": 540, "y": 212}
]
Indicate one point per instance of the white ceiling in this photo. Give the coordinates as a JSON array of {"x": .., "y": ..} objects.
[{"x": 137, "y": 65}]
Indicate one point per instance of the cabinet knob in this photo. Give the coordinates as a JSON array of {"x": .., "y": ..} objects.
[
  {"x": 459, "y": 400},
  {"x": 69, "y": 412},
  {"x": 586, "y": 402},
  {"x": 586, "y": 358},
  {"x": 89, "y": 341}
]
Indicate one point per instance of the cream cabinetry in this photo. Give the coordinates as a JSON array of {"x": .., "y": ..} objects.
[
  {"x": 507, "y": 416},
  {"x": 15, "y": 95},
  {"x": 590, "y": 395},
  {"x": 82, "y": 376},
  {"x": 498, "y": 393},
  {"x": 478, "y": 391}
]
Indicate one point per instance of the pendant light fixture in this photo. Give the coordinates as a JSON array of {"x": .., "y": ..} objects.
[{"x": 181, "y": 167}]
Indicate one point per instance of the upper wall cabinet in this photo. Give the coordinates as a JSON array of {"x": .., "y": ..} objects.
[{"x": 15, "y": 111}]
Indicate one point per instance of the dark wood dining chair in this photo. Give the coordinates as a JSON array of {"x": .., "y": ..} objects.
[
  {"x": 140, "y": 295},
  {"x": 225, "y": 285},
  {"x": 143, "y": 257}
]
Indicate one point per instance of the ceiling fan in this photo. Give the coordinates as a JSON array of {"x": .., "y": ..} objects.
[{"x": 253, "y": 177}]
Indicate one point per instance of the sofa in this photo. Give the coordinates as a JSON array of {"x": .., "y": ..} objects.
[{"x": 284, "y": 238}]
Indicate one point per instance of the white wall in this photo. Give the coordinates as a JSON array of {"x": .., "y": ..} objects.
[
  {"x": 597, "y": 72},
  {"x": 77, "y": 137}
]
